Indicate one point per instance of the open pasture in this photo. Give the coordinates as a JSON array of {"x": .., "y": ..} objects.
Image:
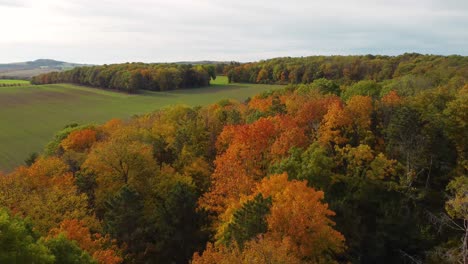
[{"x": 13, "y": 82}]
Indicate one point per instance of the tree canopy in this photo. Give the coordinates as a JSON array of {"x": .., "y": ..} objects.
[{"x": 361, "y": 159}]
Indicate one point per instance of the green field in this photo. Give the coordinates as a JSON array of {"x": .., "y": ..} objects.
[
  {"x": 30, "y": 115},
  {"x": 8, "y": 81}
]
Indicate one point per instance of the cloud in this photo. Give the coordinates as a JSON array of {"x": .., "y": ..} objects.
[
  {"x": 156, "y": 30},
  {"x": 11, "y": 3}
]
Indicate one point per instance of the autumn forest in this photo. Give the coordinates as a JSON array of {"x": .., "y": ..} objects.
[{"x": 357, "y": 159}]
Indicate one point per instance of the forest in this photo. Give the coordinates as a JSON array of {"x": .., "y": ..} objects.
[
  {"x": 348, "y": 69},
  {"x": 132, "y": 77},
  {"x": 359, "y": 159}
]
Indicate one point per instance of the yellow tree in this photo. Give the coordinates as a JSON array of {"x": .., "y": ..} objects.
[
  {"x": 80, "y": 140},
  {"x": 299, "y": 215},
  {"x": 262, "y": 76},
  {"x": 263, "y": 250},
  {"x": 333, "y": 123},
  {"x": 360, "y": 110},
  {"x": 457, "y": 208},
  {"x": 118, "y": 161},
  {"x": 260, "y": 103},
  {"x": 297, "y": 222},
  {"x": 456, "y": 118},
  {"x": 46, "y": 193}
]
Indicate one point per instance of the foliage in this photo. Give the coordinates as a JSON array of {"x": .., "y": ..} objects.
[
  {"x": 19, "y": 243},
  {"x": 132, "y": 77},
  {"x": 312, "y": 165},
  {"x": 44, "y": 192},
  {"x": 359, "y": 160},
  {"x": 262, "y": 251},
  {"x": 457, "y": 207},
  {"x": 365, "y": 88},
  {"x": 411, "y": 72},
  {"x": 102, "y": 249},
  {"x": 248, "y": 221},
  {"x": 298, "y": 214},
  {"x": 68, "y": 252},
  {"x": 286, "y": 213}
]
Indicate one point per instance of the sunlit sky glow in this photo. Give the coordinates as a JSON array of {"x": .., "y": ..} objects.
[{"x": 110, "y": 31}]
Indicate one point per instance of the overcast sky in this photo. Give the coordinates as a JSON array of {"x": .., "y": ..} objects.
[{"x": 110, "y": 31}]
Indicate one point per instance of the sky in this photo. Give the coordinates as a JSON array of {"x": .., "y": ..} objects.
[{"x": 112, "y": 31}]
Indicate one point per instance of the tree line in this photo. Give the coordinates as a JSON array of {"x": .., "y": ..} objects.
[
  {"x": 433, "y": 69},
  {"x": 12, "y": 84},
  {"x": 326, "y": 172},
  {"x": 132, "y": 77}
]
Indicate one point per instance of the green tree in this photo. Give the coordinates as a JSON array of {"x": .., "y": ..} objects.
[
  {"x": 313, "y": 165},
  {"x": 211, "y": 69},
  {"x": 326, "y": 86},
  {"x": 31, "y": 159},
  {"x": 247, "y": 221},
  {"x": 177, "y": 225},
  {"x": 457, "y": 208},
  {"x": 68, "y": 252},
  {"x": 365, "y": 88},
  {"x": 405, "y": 140},
  {"x": 456, "y": 124},
  {"x": 123, "y": 219},
  {"x": 18, "y": 242},
  {"x": 137, "y": 82}
]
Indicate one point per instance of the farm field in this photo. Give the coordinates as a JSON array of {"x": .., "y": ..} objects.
[
  {"x": 31, "y": 115},
  {"x": 8, "y": 81}
]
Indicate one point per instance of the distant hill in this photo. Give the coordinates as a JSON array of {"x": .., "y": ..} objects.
[
  {"x": 25, "y": 70},
  {"x": 202, "y": 62}
]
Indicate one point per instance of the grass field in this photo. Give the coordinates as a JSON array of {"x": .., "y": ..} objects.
[
  {"x": 30, "y": 115},
  {"x": 8, "y": 81}
]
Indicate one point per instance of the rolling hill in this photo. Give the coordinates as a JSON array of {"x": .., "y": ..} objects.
[{"x": 25, "y": 70}]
